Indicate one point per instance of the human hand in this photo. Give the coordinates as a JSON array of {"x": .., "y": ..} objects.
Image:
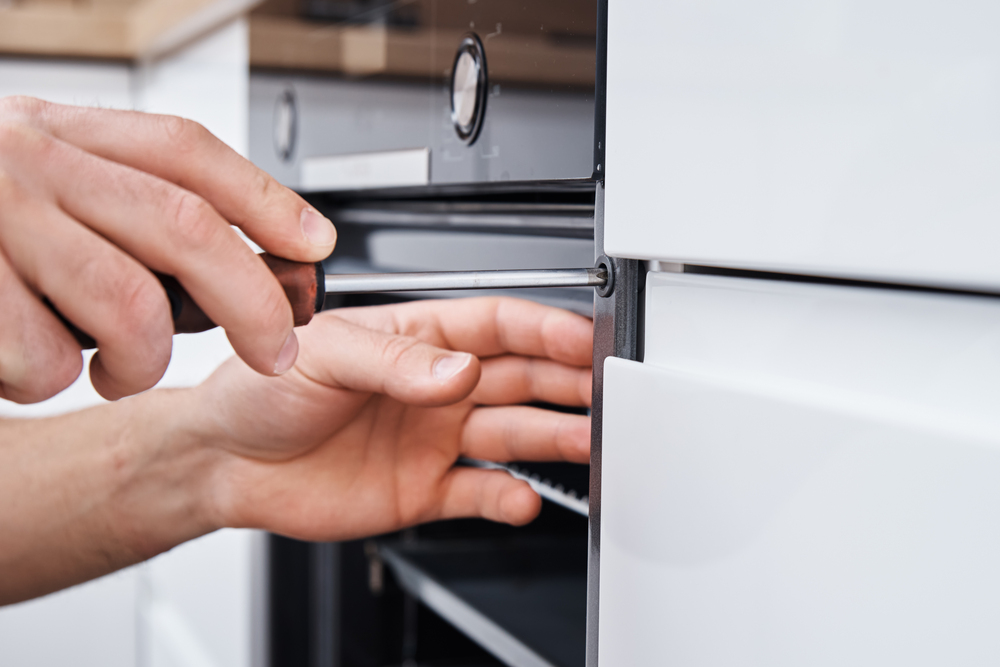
[
  {"x": 361, "y": 437},
  {"x": 92, "y": 202}
]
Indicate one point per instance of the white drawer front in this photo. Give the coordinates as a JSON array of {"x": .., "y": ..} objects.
[
  {"x": 803, "y": 475},
  {"x": 857, "y": 139}
]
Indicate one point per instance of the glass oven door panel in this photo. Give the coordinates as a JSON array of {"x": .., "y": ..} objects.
[{"x": 801, "y": 474}]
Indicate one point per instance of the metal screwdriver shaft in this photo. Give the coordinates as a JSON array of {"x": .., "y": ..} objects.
[
  {"x": 364, "y": 283},
  {"x": 304, "y": 284}
]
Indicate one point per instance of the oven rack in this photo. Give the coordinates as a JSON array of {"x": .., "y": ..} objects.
[
  {"x": 546, "y": 488},
  {"x": 523, "y": 600}
]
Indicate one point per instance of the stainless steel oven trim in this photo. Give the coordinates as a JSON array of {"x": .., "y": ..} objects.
[{"x": 615, "y": 335}]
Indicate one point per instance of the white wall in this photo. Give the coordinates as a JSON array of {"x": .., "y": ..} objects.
[{"x": 194, "y": 605}]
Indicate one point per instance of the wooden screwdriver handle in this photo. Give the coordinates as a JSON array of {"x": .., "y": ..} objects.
[{"x": 303, "y": 284}]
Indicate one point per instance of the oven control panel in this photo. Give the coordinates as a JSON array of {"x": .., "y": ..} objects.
[{"x": 446, "y": 92}]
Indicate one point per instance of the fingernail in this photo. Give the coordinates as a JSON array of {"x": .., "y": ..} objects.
[
  {"x": 286, "y": 358},
  {"x": 450, "y": 365},
  {"x": 317, "y": 229}
]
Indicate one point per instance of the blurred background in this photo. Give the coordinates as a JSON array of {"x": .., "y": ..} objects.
[
  {"x": 289, "y": 83},
  {"x": 189, "y": 606}
]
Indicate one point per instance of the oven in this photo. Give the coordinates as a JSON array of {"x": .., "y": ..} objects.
[
  {"x": 438, "y": 135},
  {"x": 795, "y": 434}
]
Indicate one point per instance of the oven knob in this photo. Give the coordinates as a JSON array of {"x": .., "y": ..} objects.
[
  {"x": 286, "y": 123},
  {"x": 468, "y": 88}
]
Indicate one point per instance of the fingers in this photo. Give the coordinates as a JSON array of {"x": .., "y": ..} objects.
[
  {"x": 96, "y": 286},
  {"x": 488, "y": 327},
  {"x": 171, "y": 231},
  {"x": 341, "y": 354},
  {"x": 521, "y": 433},
  {"x": 38, "y": 357},
  {"x": 489, "y": 494},
  {"x": 185, "y": 153},
  {"x": 516, "y": 433},
  {"x": 511, "y": 379}
]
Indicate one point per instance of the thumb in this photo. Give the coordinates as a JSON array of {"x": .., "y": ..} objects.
[{"x": 340, "y": 354}]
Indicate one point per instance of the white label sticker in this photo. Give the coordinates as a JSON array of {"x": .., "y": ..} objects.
[{"x": 384, "y": 169}]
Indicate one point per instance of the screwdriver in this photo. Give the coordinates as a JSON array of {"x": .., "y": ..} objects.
[{"x": 306, "y": 286}]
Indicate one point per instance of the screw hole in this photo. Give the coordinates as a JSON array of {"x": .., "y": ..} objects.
[{"x": 604, "y": 263}]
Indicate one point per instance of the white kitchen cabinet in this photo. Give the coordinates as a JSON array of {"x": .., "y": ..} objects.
[
  {"x": 201, "y": 604},
  {"x": 802, "y": 474},
  {"x": 836, "y": 138}
]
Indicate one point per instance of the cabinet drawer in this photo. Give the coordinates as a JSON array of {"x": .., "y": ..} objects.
[
  {"x": 802, "y": 474},
  {"x": 853, "y": 139}
]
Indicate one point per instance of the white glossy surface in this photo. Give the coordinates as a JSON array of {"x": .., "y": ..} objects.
[
  {"x": 803, "y": 475},
  {"x": 857, "y": 139}
]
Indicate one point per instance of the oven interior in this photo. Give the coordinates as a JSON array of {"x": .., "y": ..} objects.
[{"x": 461, "y": 592}]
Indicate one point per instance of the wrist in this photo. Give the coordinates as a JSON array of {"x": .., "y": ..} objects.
[{"x": 167, "y": 472}]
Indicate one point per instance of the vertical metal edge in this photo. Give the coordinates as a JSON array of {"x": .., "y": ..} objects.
[
  {"x": 325, "y": 650},
  {"x": 615, "y": 335},
  {"x": 600, "y": 89},
  {"x": 260, "y": 612}
]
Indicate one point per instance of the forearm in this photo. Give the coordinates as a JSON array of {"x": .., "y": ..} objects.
[{"x": 91, "y": 492}]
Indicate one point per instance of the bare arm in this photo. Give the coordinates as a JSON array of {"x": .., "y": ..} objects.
[
  {"x": 359, "y": 438},
  {"x": 88, "y": 493}
]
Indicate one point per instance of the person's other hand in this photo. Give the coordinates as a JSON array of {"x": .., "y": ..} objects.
[
  {"x": 361, "y": 437},
  {"x": 92, "y": 202}
]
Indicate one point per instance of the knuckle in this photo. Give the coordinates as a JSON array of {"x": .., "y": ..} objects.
[
  {"x": 13, "y": 135},
  {"x": 22, "y": 105},
  {"x": 509, "y": 438},
  {"x": 21, "y": 140},
  {"x": 534, "y": 378},
  {"x": 396, "y": 348},
  {"x": 264, "y": 185},
  {"x": 143, "y": 305},
  {"x": 185, "y": 135},
  {"x": 266, "y": 195},
  {"x": 194, "y": 221},
  {"x": 563, "y": 435},
  {"x": 139, "y": 304},
  {"x": 143, "y": 324}
]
